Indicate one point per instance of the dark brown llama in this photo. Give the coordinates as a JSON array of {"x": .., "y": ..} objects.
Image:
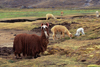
[{"x": 31, "y": 44}]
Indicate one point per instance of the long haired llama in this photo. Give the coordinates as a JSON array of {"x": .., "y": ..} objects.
[
  {"x": 78, "y": 32},
  {"x": 50, "y": 16},
  {"x": 62, "y": 29},
  {"x": 31, "y": 44}
]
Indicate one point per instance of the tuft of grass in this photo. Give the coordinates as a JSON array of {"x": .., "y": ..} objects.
[
  {"x": 93, "y": 65},
  {"x": 11, "y": 61},
  {"x": 18, "y": 26}
]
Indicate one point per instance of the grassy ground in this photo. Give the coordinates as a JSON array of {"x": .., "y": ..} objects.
[
  {"x": 69, "y": 53},
  {"x": 17, "y": 26},
  {"x": 11, "y": 13}
]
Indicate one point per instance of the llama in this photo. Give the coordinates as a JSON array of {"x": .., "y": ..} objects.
[
  {"x": 50, "y": 16},
  {"x": 31, "y": 44},
  {"x": 62, "y": 13},
  {"x": 62, "y": 29},
  {"x": 97, "y": 14},
  {"x": 78, "y": 32}
]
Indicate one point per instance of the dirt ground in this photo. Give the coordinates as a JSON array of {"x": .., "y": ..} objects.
[
  {"x": 77, "y": 50},
  {"x": 7, "y": 37}
]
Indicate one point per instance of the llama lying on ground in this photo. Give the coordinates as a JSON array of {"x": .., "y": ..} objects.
[
  {"x": 62, "y": 29},
  {"x": 97, "y": 14},
  {"x": 50, "y": 16},
  {"x": 78, "y": 32},
  {"x": 31, "y": 44}
]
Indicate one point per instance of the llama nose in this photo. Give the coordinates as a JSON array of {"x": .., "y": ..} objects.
[
  {"x": 44, "y": 29},
  {"x": 47, "y": 37}
]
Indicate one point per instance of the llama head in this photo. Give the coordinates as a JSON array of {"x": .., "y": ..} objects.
[
  {"x": 45, "y": 28},
  {"x": 71, "y": 36},
  {"x": 77, "y": 34}
]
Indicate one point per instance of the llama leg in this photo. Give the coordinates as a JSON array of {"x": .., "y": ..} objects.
[
  {"x": 78, "y": 33},
  {"x": 35, "y": 56},
  {"x": 46, "y": 18},
  {"x": 83, "y": 33},
  {"x": 24, "y": 55},
  {"x": 15, "y": 53},
  {"x": 63, "y": 35},
  {"x": 53, "y": 17},
  {"x": 54, "y": 35},
  {"x": 19, "y": 56},
  {"x": 38, "y": 54}
]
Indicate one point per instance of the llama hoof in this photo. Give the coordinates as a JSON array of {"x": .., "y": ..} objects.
[
  {"x": 38, "y": 56},
  {"x": 20, "y": 57},
  {"x": 15, "y": 57},
  {"x": 35, "y": 57}
]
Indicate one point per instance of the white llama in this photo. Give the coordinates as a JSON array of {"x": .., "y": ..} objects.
[
  {"x": 97, "y": 13},
  {"x": 78, "y": 32}
]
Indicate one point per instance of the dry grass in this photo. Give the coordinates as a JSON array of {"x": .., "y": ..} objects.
[
  {"x": 61, "y": 54},
  {"x": 19, "y": 25}
]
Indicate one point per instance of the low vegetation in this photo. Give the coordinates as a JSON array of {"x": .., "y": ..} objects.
[
  {"x": 80, "y": 51},
  {"x": 13, "y": 13}
]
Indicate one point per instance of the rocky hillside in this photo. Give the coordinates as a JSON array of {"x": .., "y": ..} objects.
[{"x": 48, "y": 3}]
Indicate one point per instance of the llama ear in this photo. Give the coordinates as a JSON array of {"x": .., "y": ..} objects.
[
  {"x": 47, "y": 24},
  {"x": 41, "y": 24}
]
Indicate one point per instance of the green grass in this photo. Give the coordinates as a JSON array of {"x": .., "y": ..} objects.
[
  {"x": 93, "y": 65},
  {"x": 13, "y": 13}
]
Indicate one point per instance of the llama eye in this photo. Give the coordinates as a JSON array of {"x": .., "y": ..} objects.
[
  {"x": 41, "y": 27},
  {"x": 46, "y": 27}
]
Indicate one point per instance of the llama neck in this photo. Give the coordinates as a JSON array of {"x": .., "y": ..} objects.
[
  {"x": 43, "y": 36},
  {"x": 68, "y": 33},
  {"x": 44, "y": 42}
]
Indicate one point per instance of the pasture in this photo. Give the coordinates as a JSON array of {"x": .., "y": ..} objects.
[{"x": 81, "y": 51}]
